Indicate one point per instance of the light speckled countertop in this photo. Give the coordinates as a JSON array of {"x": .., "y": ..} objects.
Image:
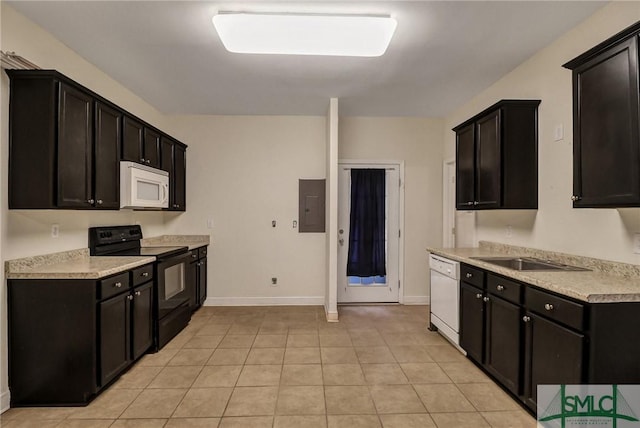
[
  {"x": 607, "y": 282},
  {"x": 192, "y": 241},
  {"x": 74, "y": 264}
]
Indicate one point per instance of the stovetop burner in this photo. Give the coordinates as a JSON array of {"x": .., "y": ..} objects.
[{"x": 125, "y": 241}]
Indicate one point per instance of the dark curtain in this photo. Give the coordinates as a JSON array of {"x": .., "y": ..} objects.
[{"x": 367, "y": 223}]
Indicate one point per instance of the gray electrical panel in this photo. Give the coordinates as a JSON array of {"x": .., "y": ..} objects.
[{"x": 311, "y": 205}]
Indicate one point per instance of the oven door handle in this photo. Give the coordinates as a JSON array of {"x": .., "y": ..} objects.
[{"x": 174, "y": 260}]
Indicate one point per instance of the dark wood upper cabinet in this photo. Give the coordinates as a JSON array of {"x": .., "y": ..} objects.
[
  {"x": 107, "y": 156},
  {"x": 56, "y": 130},
  {"x": 173, "y": 160},
  {"x": 606, "y": 139},
  {"x": 66, "y": 143},
  {"x": 132, "y": 139},
  {"x": 151, "y": 147},
  {"x": 75, "y": 152},
  {"x": 497, "y": 157}
]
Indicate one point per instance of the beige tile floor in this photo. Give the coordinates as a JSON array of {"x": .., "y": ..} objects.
[{"x": 287, "y": 367}]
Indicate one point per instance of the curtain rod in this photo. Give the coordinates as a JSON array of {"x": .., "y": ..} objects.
[{"x": 12, "y": 61}]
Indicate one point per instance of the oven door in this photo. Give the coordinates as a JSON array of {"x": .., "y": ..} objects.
[{"x": 172, "y": 283}]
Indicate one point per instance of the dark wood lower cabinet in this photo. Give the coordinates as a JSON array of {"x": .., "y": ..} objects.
[
  {"x": 503, "y": 347},
  {"x": 472, "y": 321},
  {"x": 115, "y": 342},
  {"x": 142, "y": 318},
  {"x": 70, "y": 338},
  {"x": 524, "y": 336},
  {"x": 553, "y": 355},
  {"x": 197, "y": 278}
]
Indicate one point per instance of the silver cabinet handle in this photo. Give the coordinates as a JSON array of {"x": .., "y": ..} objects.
[
  {"x": 99, "y": 202},
  {"x": 526, "y": 318},
  {"x": 148, "y": 161},
  {"x": 145, "y": 274},
  {"x": 475, "y": 202},
  {"x": 117, "y": 284},
  {"x": 91, "y": 201},
  {"x": 470, "y": 203},
  {"x": 137, "y": 293},
  {"x": 469, "y": 275},
  {"x": 548, "y": 306},
  {"x": 479, "y": 296},
  {"x": 486, "y": 299},
  {"x": 576, "y": 198},
  {"x": 130, "y": 297},
  {"x": 500, "y": 287},
  {"x": 143, "y": 160}
]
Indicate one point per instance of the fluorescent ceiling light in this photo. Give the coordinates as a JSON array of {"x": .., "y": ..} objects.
[{"x": 289, "y": 34}]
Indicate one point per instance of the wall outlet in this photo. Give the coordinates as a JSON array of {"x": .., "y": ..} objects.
[
  {"x": 636, "y": 243},
  {"x": 509, "y": 232},
  {"x": 55, "y": 230},
  {"x": 209, "y": 223},
  {"x": 274, "y": 281}
]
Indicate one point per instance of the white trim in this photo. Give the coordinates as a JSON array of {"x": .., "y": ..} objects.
[
  {"x": 417, "y": 300},
  {"x": 5, "y": 401},
  {"x": 446, "y": 209},
  {"x": 264, "y": 301},
  {"x": 331, "y": 316},
  {"x": 400, "y": 163}
]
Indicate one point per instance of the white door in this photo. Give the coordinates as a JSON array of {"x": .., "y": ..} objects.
[{"x": 371, "y": 289}]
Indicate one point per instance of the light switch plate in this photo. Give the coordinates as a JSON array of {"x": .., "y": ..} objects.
[
  {"x": 636, "y": 243},
  {"x": 209, "y": 223},
  {"x": 558, "y": 132}
]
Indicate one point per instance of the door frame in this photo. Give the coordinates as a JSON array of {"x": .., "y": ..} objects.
[
  {"x": 400, "y": 164},
  {"x": 448, "y": 207}
]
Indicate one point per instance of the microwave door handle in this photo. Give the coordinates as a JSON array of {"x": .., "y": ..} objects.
[{"x": 165, "y": 190}]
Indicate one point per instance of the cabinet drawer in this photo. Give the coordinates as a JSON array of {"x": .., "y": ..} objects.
[
  {"x": 505, "y": 288},
  {"x": 202, "y": 252},
  {"x": 556, "y": 308},
  {"x": 113, "y": 285},
  {"x": 472, "y": 275},
  {"x": 142, "y": 274}
]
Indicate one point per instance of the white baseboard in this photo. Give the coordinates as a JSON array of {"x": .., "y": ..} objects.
[
  {"x": 264, "y": 301},
  {"x": 416, "y": 300},
  {"x": 331, "y": 315},
  {"x": 4, "y": 401}
]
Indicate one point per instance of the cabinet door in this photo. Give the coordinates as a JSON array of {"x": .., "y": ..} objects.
[
  {"x": 465, "y": 168},
  {"x": 472, "y": 321},
  {"x": 142, "y": 318},
  {"x": 202, "y": 281},
  {"x": 180, "y": 170},
  {"x": 132, "y": 137},
  {"x": 107, "y": 157},
  {"x": 553, "y": 355},
  {"x": 75, "y": 139},
  {"x": 192, "y": 283},
  {"x": 503, "y": 342},
  {"x": 606, "y": 158},
  {"x": 488, "y": 168},
  {"x": 115, "y": 348},
  {"x": 151, "y": 148}
]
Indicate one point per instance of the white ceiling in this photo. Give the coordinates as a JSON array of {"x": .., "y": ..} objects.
[{"x": 443, "y": 53}]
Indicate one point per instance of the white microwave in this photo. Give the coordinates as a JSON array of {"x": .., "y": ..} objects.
[{"x": 143, "y": 187}]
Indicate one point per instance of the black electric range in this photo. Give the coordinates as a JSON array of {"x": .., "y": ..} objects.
[{"x": 172, "y": 291}]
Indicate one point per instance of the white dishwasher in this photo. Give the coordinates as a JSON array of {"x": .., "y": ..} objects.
[{"x": 445, "y": 297}]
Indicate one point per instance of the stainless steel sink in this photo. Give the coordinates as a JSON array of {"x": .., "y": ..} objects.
[{"x": 528, "y": 264}]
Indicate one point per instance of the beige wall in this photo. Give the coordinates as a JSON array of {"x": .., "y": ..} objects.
[
  {"x": 25, "y": 233},
  {"x": 602, "y": 233},
  {"x": 417, "y": 142},
  {"x": 243, "y": 173}
]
